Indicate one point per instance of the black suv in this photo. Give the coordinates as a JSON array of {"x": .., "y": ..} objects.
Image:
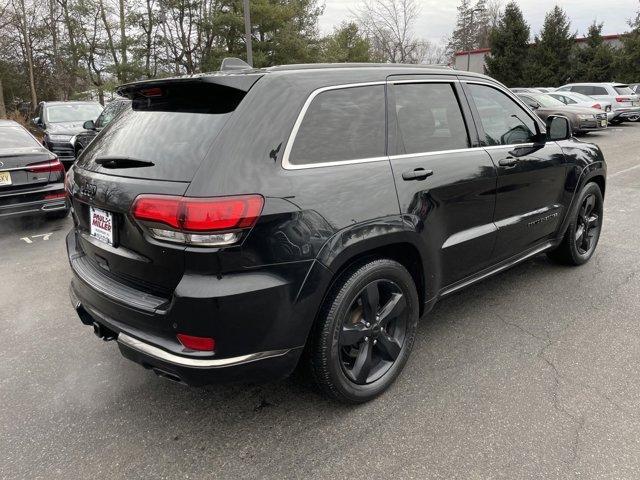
[
  {"x": 231, "y": 225},
  {"x": 60, "y": 122}
]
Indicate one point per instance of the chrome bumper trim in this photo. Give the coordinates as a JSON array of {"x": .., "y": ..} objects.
[{"x": 190, "y": 362}]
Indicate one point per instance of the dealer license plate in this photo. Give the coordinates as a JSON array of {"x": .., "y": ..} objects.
[
  {"x": 5, "y": 178},
  {"x": 101, "y": 225}
]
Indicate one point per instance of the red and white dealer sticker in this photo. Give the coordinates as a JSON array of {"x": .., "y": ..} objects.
[{"x": 101, "y": 223}]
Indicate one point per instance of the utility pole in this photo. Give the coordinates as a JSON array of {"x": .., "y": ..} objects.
[{"x": 247, "y": 32}]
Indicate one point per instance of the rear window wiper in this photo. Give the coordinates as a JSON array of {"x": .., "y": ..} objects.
[{"x": 122, "y": 162}]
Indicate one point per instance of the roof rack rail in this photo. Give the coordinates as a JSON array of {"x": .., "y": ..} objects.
[{"x": 233, "y": 63}]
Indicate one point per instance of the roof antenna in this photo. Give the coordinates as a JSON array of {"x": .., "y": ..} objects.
[{"x": 233, "y": 63}]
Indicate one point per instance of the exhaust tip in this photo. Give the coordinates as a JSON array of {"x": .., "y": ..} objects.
[{"x": 168, "y": 375}]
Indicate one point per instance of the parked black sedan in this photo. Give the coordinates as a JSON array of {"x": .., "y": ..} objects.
[
  {"x": 31, "y": 177},
  {"x": 91, "y": 128},
  {"x": 60, "y": 122}
]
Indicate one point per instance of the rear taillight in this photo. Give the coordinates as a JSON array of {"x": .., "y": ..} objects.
[
  {"x": 622, "y": 99},
  {"x": 202, "y": 344},
  {"x": 198, "y": 221},
  {"x": 597, "y": 105},
  {"x": 49, "y": 166}
]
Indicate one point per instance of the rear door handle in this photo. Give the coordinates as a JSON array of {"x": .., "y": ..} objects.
[
  {"x": 508, "y": 162},
  {"x": 417, "y": 174}
]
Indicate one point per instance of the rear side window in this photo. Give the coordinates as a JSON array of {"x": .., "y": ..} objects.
[
  {"x": 172, "y": 127},
  {"x": 16, "y": 137},
  {"x": 583, "y": 89},
  {"x": 429, "y": 118},
  {"x": 504, "y": 122},
  {"x": 342, "y": 124}
]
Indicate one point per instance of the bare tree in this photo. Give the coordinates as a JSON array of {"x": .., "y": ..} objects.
[{"x": 388, "y": 25}]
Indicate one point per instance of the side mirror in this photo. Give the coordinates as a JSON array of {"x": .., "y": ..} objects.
[
  {"x": 558, "y": 128},
  {"x": 37, "y": 121},
  {"x": 89, "y": 125},
  {"x": 535, "y": 106}
]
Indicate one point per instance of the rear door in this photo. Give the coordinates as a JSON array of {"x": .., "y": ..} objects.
[
  {"x": 153, "y": 148},
  {"x": 531, "y": 171},
  {"x": 445, "y": 183}
]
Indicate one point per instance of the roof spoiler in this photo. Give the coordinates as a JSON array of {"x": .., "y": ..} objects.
[{"x": 239, "y": 82}]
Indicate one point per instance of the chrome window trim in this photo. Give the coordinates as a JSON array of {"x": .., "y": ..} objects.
[
  {"x": 401, "y": 156},
  {"x": 287, "y": 165}
]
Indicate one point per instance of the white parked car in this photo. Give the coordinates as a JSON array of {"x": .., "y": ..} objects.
[
  {"x": 580, "y": 100},
  {"x": 625, "y": 103}
]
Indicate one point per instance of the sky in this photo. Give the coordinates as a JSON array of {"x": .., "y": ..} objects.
[{"x": 438, "y": 17}]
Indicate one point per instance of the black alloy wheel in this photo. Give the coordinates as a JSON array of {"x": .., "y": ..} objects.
[
  {"x": 365, "y": 331},
  {"x": 373, "y": 331},
  {"x": 583, "y": 233},
  {"x": 588, "y": 225}
]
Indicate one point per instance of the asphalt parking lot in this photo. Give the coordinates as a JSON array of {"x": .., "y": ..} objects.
[{"x": 530, "y": 374}]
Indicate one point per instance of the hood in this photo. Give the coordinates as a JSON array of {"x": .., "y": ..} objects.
[{"x": 65, "y": 128}]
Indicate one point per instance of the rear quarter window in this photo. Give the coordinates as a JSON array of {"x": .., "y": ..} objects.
[{"x": 341, "y": 124}]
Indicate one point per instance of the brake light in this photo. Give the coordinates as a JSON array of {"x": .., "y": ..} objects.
[
  {"x": 50, "y": 166},
  {"x": 202, "y": 344},
  {"x": 622, "y": 99},
  {"x": 198, "y": 221},
  {"x": 597, "y": 105}
]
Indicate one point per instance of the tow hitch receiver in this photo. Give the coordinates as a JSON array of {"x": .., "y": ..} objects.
[{"x": 103, "y": 332}]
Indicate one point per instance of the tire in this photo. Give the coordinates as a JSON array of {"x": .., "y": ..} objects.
[
  {"x": 356, "y": 351},
  {"x": 57, "y": 215},
  {"x": 583, "y": 233}
]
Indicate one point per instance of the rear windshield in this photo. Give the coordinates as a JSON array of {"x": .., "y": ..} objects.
[
  {"x": 172, "y": 131},
  {"x": 16, "y": 137},
  {"x": 623, "y": 90}
]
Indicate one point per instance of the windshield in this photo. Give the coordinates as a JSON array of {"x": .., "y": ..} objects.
[
  {"x": 580, "y": 97},
  {"x": 73, "y": 112},
  {"x": 547, "y": 101},
  {"x": 623, "y": 90},
  {"x": 16, "y": 137}
]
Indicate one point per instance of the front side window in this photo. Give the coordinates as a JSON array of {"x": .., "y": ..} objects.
[
  {"x": 342, "y": 124},
  {"x": 504, "y": 122},
  {"x": 429, "y": 118}
]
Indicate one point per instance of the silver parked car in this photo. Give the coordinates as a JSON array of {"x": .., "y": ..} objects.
[
  {"x": 580, "y": 100},
  {"x": 625, "y": 103}
]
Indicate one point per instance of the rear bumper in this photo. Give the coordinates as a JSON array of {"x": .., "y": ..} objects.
[
  {"x": 625, "y": 113},
  {"x": 259, "y": 324},
  {"x": 32, "y": 201}
]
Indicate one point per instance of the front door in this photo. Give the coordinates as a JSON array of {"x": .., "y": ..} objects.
[
  {"x": 531, "y": 171},
  {"x": 445, "y": 181}
]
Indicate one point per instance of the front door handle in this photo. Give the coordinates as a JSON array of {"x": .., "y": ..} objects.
[
  {"x": 508, "y": 162},
  {"x": 417, "y": 174}
]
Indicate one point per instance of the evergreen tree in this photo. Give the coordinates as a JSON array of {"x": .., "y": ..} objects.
[
  {"x": 628, "y": 59},
  {"x": 509, "y": 43},
  {"x": 593, "y": 61},
  {"x": 346, "y": 44},
  {"x": 473, "y": 26},
  {"x": 551, "y": 55}
]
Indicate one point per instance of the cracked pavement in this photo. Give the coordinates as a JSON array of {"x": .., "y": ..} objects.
[{"x": 530, "y": 374}]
